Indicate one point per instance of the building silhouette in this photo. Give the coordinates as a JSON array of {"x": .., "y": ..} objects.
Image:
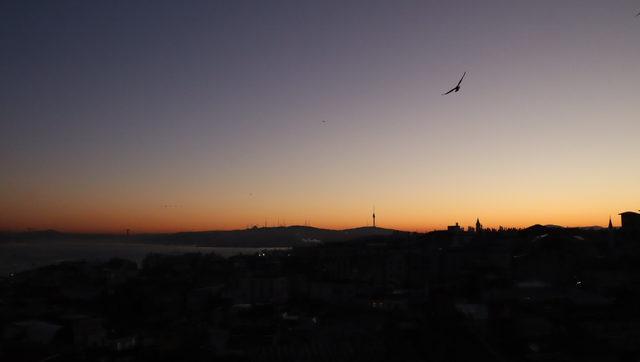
[
  {"x": 454, "y": 228},
  {"x": 630, "y": 220}
]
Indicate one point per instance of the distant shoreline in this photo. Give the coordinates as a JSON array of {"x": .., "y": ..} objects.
[
  {"x": 254, "y": 237},
  {"x": 16, "y": 257}
]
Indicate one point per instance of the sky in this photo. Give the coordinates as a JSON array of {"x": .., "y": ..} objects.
[{"x": 195, "y": 115}]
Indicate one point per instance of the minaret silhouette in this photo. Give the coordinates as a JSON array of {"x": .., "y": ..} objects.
[{"x": 610, "y": 235}]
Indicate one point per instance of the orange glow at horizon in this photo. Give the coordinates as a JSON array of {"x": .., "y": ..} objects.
[{"x": 402, "y": 217}]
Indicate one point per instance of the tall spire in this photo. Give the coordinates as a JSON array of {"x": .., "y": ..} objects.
[
  {"x": 374, "y": 215},
  {"x": 610, "y": 223}
]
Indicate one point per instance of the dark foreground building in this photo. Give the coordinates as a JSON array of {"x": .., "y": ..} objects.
[{"x": 630, "y": 220}]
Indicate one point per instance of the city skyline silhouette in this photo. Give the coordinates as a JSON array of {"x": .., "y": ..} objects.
[{"x": 319, "y": 181}]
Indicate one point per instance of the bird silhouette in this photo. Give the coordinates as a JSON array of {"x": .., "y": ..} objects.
[
  {"x": 457, "y": 87},
  {"x": 638, "y": 14}
]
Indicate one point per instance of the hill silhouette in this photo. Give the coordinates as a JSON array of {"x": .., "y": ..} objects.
[
  {"x": 252, "y": 237},
  {"x": 275, "y": 236}
]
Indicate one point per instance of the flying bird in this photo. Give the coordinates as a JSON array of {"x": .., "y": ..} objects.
[
  {"x": 457, "y": 87},
  {"x": 638, "y": 14}
]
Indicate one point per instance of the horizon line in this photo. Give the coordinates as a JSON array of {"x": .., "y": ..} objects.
[{"x": 151, "y": 232}]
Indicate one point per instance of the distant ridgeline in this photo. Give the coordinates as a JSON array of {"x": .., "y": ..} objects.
[
  {"x": 253, "y": 237},
  {"x": 279, "y": 236}
]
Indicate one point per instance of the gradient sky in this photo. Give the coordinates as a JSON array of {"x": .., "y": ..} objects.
[{"x": 111, "y": 109}]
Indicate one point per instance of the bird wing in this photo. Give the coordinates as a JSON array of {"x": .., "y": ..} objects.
[
  {"x": 444, "y": 94},
  {"x": 460, "y": 82}
]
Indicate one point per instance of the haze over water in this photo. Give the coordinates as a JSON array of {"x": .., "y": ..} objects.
[{"x": 17, "y": 257}]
